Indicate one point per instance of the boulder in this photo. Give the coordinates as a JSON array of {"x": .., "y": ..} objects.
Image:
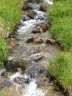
[
  {"x": 35, "y": 40},
  {"x": 25, "y": 18},
  {"x": 38, "y": 29},
  {"x": 26, "y": 6},
  {"x": 12, "y": 65},
  {"x": 45, "y": 27},
  {"x": 38, "y": 40},
  {"x": 31, "y": 14},
  {"x": 43, "y": 7}
]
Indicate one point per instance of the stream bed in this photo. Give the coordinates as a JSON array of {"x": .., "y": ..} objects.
[{"x": 26, "y": 72}]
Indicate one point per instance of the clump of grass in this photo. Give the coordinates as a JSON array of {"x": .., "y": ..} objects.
[
  {"x": 61, "y": 68},
  {"x": 3, "y": 51},
  {"x": 61, "y": 16},
  {"x": 10, "y": 11}
]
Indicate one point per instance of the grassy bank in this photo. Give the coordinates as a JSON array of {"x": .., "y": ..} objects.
[
  {"x": 60, "y": 14},
  {"x": 10, "y": 13}
]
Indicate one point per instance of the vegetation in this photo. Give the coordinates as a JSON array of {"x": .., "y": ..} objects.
[
  {"x": 61, "y": 68},
  {"x": 3, "y": 51},
  {"x": 2, "y": 94},
  {"x": 60, "y": 14},
  {"x": 10, "y": 13}
]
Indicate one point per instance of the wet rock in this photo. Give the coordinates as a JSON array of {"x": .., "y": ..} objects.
[
  {"x": 5, "y": 84},
  {"x": 26, "y": 6},
  {"x": 27, "y": 81},
  {"x": 34, "y": 71},
  {"x": 37, "y": 56},
  {"x": 33, "y": 50},
  {"x": 40, "y": 28},
  {"x": 43, "y": 7},
  {"x": 44, "y": 27},
  {"x": 2, "y": 72},
  {"x": 30, "y": 40},
  {"x": 19, "y": 80},
  {"x": 42, "y": 81},
  {"x": 31, "y": 14},
  {"x": 25, "y": 18},
  {"x": 38, "y": 40},
  {"x": 33, "y": 1},
  {"x": 13, "y": 65},
  {"x": 50, "y": 41},
  {"x": 11, "y": 42}
]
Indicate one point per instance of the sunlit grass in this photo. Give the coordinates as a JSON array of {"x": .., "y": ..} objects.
[
  {"x": 61, "y": 68},
  {"x": 60, "y": 14},
  {"x": 10, "y": 13}
]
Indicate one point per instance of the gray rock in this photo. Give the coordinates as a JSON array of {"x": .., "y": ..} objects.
[
  {"x": 2, "y": 72},
  {"x": 37, "y": 56}
]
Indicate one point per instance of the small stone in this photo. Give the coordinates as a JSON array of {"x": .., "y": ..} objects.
[
  {"x": 2, "y": 72},
  {"x": 25, "y": 17},
  {"x": 37, "y": 56},
  {"x": 50, "y": 41},
  {"x": 30, "y": 40},
  {"x": 27, "y": 81}
]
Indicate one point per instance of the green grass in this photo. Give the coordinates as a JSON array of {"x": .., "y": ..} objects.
[
  {"x": 61, "y": 68},
  {"x": 10, "y": 13},
  {"x": 3, "y": 51},
  {"x": 1, "y": 94},
  {"x": 60, "y": 15}
]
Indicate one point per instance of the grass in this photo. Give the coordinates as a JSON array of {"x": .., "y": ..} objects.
[
  {"x": 60, "y": 14},
  {"x": 10, "y": 13},
  {"x": 1, "y": 94},
  {"x": 61, "y": 68},
  {"x": 3, "y": 51}
]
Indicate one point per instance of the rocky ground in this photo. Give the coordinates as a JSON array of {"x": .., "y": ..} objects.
[{"x": 31, "y": 49}]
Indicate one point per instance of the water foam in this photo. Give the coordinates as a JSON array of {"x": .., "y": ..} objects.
[{"x": 32, "y": 90}]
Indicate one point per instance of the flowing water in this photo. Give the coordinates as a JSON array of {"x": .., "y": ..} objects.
[{"x": 33, "y": 53}]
